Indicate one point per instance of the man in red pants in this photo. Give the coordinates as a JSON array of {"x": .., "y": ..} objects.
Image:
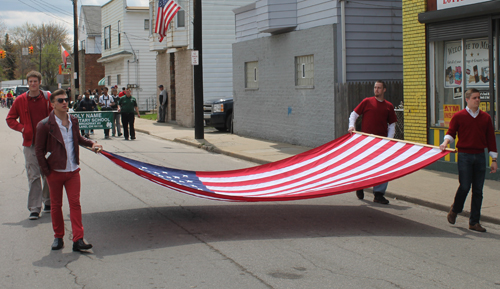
[{"x": 57, "y": 151}]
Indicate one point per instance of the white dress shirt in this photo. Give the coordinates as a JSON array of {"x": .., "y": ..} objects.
[{"x": 67, "y": 134}]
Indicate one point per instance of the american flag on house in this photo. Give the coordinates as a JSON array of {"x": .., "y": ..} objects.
[
  {"x": 347, "y": 164},
  {"x": 165, "y": 13}
]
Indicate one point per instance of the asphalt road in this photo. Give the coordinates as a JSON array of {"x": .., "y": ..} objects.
[{"x": 146, "y": 236}]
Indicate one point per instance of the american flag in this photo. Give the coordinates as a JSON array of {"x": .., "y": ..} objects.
[
  {"x": 347, "y": 164},
  {"x": 166, "y": 11}
]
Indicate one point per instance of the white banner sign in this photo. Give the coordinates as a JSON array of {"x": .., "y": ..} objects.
[
  {"x": 477, "y": 72},
  {"x": 453, "y": 64},
  {"x": 444, "y": 4}
]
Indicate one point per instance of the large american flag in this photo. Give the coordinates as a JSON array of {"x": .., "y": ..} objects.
[
  {"x": 347, "y": 164},
  {"x": 166, "y": 11}
]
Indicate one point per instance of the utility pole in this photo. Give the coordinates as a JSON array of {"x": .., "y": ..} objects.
[
  {"x": 75, "y": 47},
  {"x": 198, "y": 73}
]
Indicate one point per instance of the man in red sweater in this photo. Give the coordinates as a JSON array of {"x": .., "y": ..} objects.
[
  {"x": 476, "y": 132},
  {"x": 30, "y": 108},
  {"x": 380, "y": 119}
]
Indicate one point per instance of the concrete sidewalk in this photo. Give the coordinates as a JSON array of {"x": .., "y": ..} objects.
[{"x": 424, "y": 187}]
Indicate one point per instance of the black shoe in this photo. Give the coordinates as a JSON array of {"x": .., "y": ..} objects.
[
  {"x": 34, "y": 216},
  {"x": 80, "y": 245},
  {"x": 379, "y": 198},
  {"x": 46, "y": 209},
  {"x": 119, "y": 134},
  {"x": 132, "y": 137},
  {"x": 58, "y": 244},
  {"x": 360, "y": 194},
  {"x": 126, "y": 138}
]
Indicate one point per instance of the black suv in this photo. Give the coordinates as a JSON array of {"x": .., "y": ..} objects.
[{"x": 219, "y": 114}]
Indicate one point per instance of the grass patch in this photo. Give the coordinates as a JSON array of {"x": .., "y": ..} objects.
[{"x": 152, "y": 116}]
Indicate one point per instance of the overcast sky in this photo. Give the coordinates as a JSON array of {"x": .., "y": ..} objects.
[{"x": 17, "y": 12}]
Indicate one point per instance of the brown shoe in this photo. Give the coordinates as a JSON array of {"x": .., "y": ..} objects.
[
  {"x": 477, "y": 227},
  {"x": 452, "y": 216}
]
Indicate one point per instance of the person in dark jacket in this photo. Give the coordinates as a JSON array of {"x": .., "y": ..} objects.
[
  {"x": 87, "y": 104},
  {"x": 57, "y": 150}
]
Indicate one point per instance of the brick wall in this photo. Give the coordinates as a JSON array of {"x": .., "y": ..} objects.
[
  {"x": 414, "y": 72},
  {"x": 278, "y": 110},
  {"x": 94, "y": 71},
  {"x": 184, "y": 100}
]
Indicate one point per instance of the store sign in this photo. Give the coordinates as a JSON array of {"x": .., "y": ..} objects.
[
  {"x": 445, "y": 4},
  {"x": 477, "y": 72},
  {"x": 449, "y": 111},
  {"x": 94, "y": 119},
  {"x": 453, "y": 64}
]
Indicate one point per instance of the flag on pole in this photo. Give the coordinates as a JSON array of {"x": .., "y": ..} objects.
[
  {"x": 64, "y": 55},
  {"x": 166, "y": 11},
  {"x": 347, "y": 164}
]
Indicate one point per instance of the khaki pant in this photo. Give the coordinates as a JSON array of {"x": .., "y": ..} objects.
[{"x": 37, "y": 193}]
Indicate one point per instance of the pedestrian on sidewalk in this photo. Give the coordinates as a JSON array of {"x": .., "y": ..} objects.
[
  {"x": 105, "y": 102},
  {"x": 30, "y": 108},
  {"x": 163, "y": 100},
  {"x": 57, "y": 151},
  {"x": 379, "y": 119},
  {"x": 116, "y": 115},
  {"x": 126, "y": 106},
  {"x": 476, "y": 132}
]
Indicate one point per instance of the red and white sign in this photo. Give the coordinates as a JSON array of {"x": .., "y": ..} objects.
[
  {"x": 445, "y": 4},
  {"x": 195, "y": 59}
]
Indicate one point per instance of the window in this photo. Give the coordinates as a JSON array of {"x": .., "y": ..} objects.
[
  {"x": 107, "y": 37},
  {"x": 119, "y": 33},
  {"x": 109, "y": 80},
  {"x": 118, "y": 79},
  {"x": 458, "y": 66},
  {"x": 82, "y": 44},
  {"x": 252, "y": 75},
  {"x": 304, "y": 70},
  {"x": 181, "y": 21},
  {"x": 146, "y": 24}
]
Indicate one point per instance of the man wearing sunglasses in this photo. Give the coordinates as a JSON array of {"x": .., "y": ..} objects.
[
  {"x": 58, "y": 154},
  {"x": 30, "y": 108}
]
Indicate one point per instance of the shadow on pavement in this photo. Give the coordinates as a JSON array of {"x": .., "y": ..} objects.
[{"x": 118, "y": 232}]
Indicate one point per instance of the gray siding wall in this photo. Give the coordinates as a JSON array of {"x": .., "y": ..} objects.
[
  {"x": 278, "y": 110},
  {"x": 275, "y": 15},
  {"x": 374, "y": 40}
]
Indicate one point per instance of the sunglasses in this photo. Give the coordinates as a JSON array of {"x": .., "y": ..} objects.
[{"x": 61, "y": 100}]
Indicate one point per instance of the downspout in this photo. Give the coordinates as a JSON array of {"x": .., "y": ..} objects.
[{"x": 342, "y": 19}]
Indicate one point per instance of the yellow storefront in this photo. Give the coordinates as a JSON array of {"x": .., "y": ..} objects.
[{"x": 448, "y": 48}]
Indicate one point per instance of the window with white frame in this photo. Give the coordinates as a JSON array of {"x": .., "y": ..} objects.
[
  {"x": 304, "y": 70},
  {"x": 118, "y": 79},
  {"x": 252, "y": 74},
  {"x": 119, "y": 33},
  {"x": 107, "y": 37},
  {"x": 181, "y": 19},
  {"x": 146, "y": 24},
  {"x": 109, "y": 80}
]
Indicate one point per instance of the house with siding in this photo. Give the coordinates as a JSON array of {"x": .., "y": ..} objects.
[
  {"x": 173, "y": 55},
  {"x": 89, "y": 48},
  {"x": 289, "y": 56},
  {"x": 125, "y": 50}
]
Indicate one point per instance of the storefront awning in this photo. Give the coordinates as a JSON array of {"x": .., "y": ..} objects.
[{"x": 102, "y": 81}]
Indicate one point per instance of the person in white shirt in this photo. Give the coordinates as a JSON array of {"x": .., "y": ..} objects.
[
  {"x": 106, "y": 102},
  {"x": 57, "y": 151}
]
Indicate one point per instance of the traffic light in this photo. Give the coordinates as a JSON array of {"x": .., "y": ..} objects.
[
  {"x": 30, "y": 50},
  {"x": 2, "y": 53}
]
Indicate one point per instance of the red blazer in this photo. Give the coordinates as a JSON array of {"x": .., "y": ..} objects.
[{"x": 49, "y": 139}]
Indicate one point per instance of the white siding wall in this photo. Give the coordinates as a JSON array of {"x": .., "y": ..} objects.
[
  {"x": 218, "y": 37},
  {"x": 110, "y": 14}
]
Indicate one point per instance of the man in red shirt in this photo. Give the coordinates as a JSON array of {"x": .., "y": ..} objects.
[
  {"x": 122, "y": 93},
  {"x": 380, "y": 119},
  {"x": 30, "y": 108},
  {"x": 476, "y": 132}
]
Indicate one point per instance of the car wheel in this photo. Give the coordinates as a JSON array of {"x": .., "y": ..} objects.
[
  {"x": 220, "y": 128},
  {"x": 229, "y": 123}
]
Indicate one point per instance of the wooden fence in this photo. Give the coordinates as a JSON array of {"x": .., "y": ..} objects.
[{"x": 349, "y": 95}]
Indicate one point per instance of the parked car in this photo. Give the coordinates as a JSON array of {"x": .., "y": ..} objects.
[
  {"x": 20, "y": 89},
  {"x": 219, "y": 114}
]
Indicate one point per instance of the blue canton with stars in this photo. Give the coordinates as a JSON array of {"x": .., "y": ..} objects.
[{"x": 180, "y": 177}]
